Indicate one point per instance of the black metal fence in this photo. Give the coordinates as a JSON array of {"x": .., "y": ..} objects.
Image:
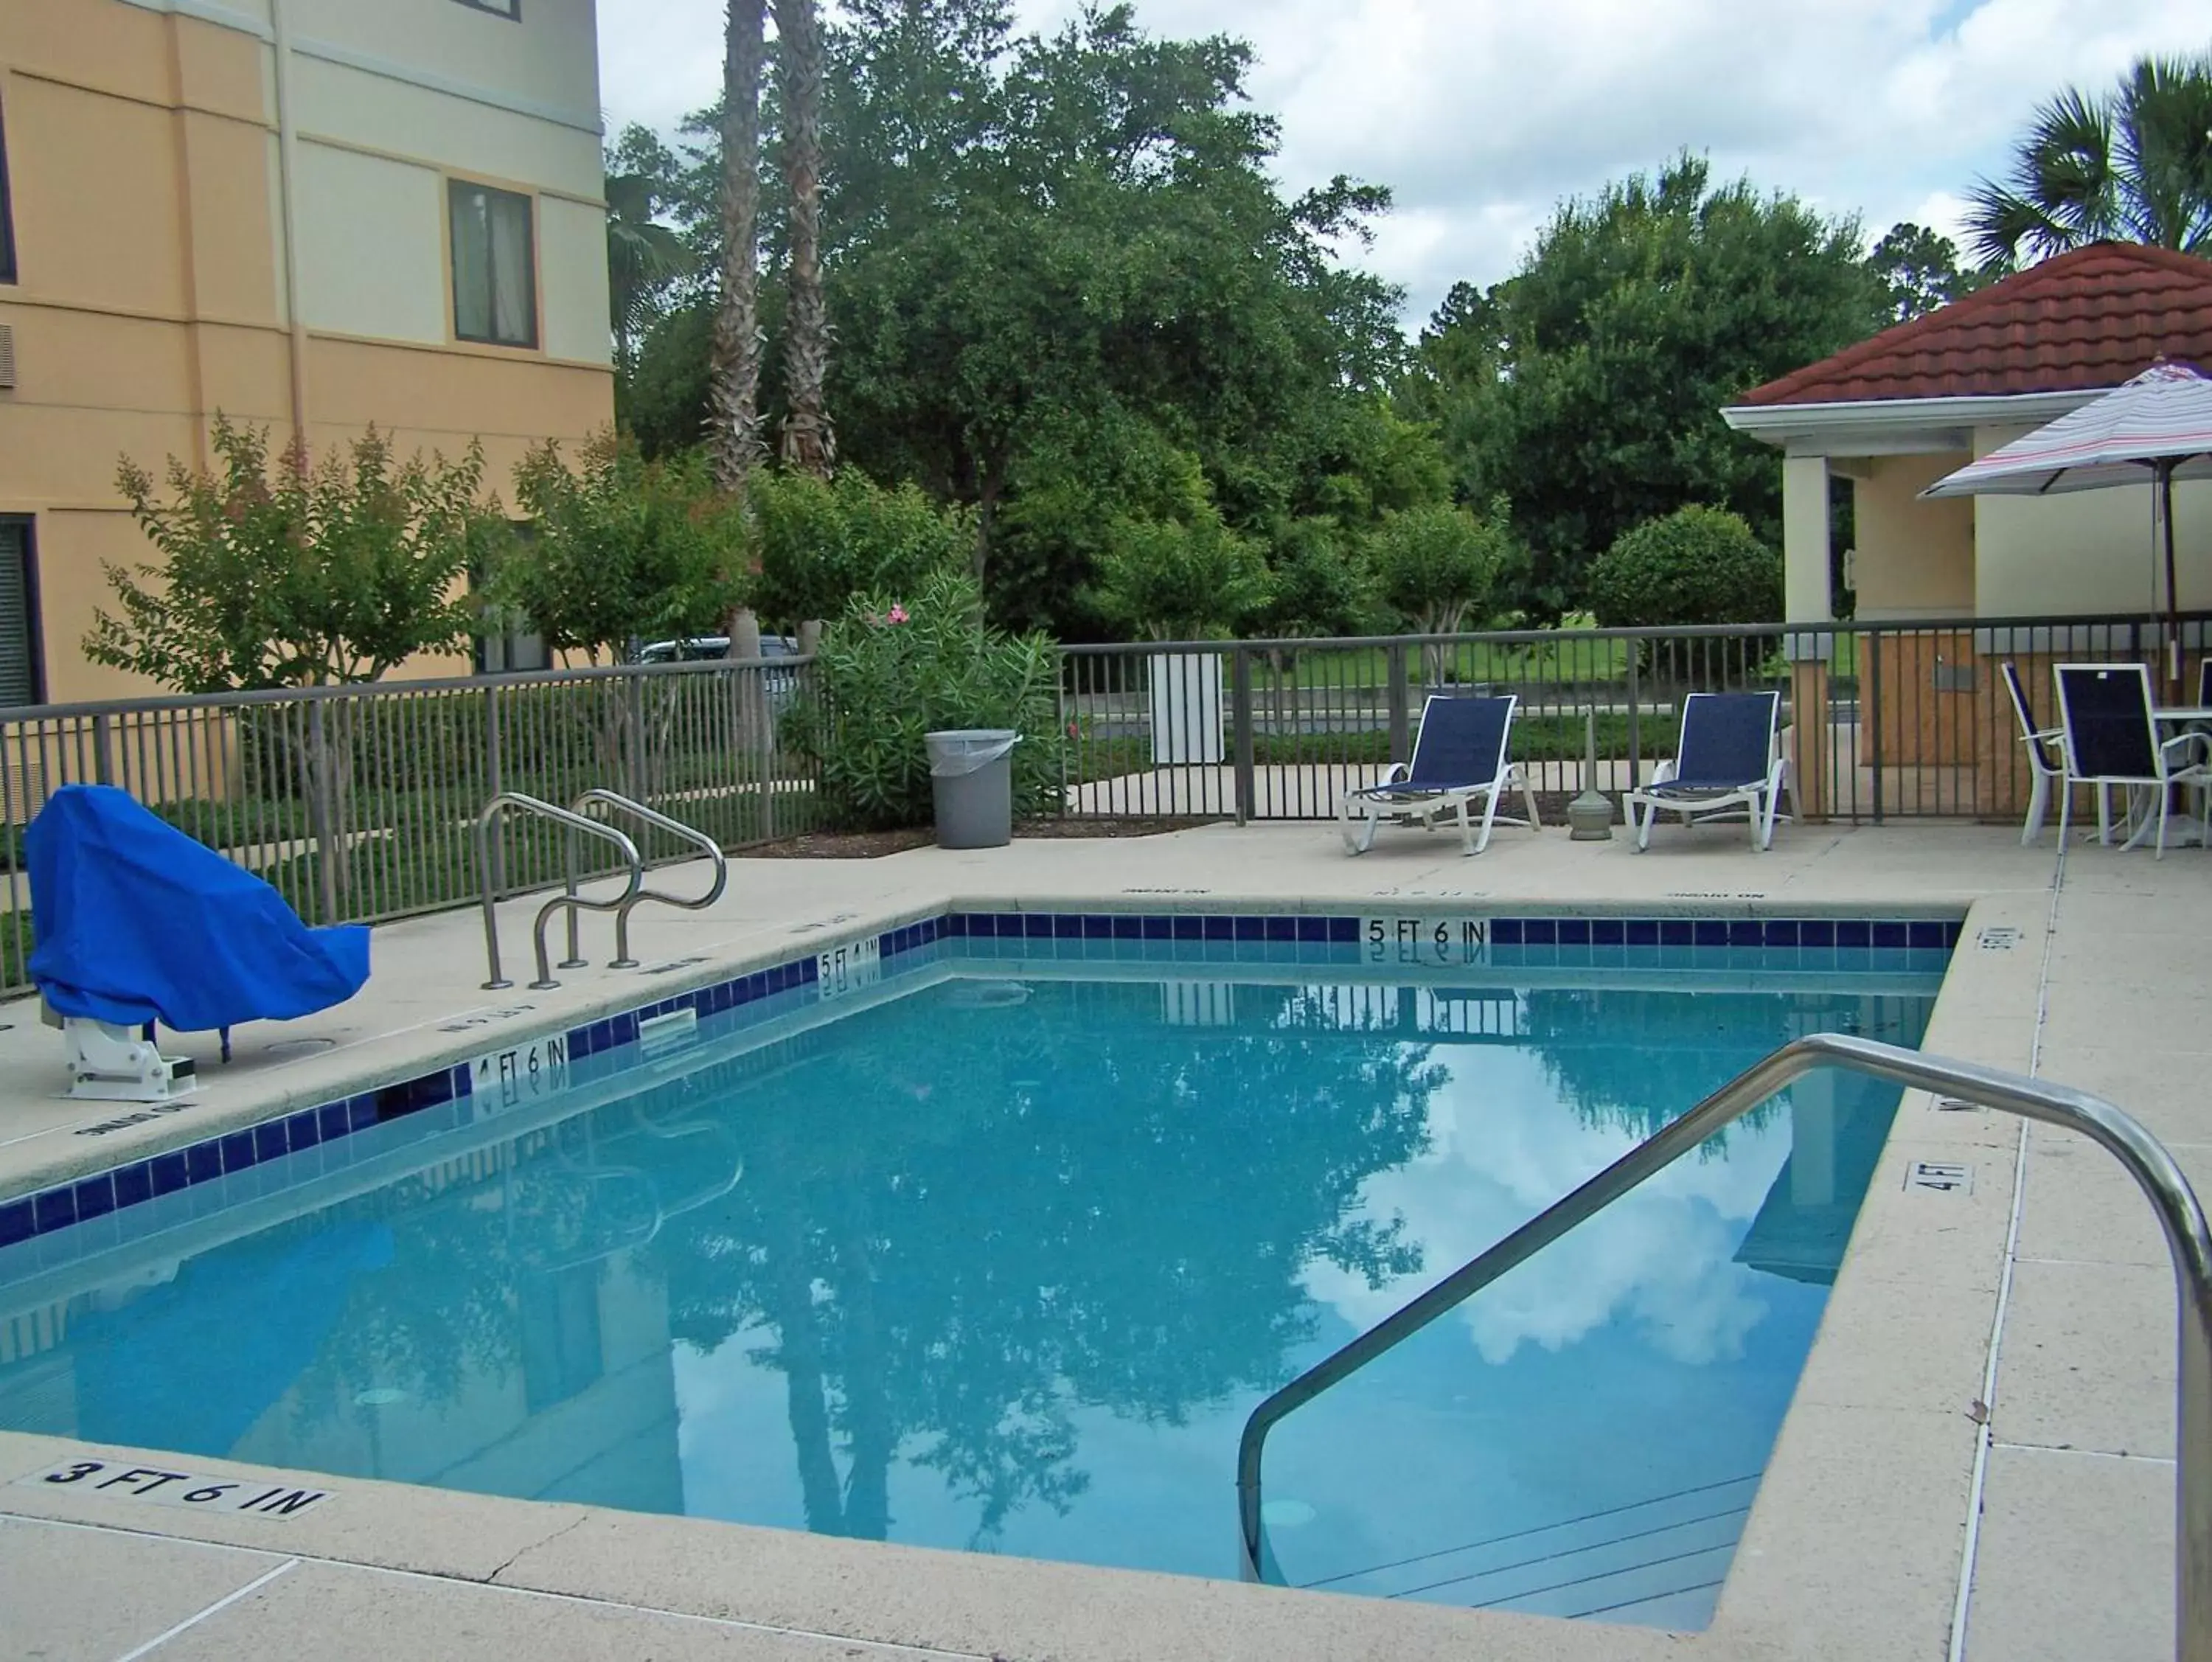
[
  {"x": 359, "y": 803},
  {"x": 1885, "y": 720}
]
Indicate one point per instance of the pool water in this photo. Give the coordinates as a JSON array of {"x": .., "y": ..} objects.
[{"x": 1001, "y": 1262}]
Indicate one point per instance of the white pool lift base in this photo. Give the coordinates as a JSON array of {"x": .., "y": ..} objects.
[{"x": 109, "y": 1062}]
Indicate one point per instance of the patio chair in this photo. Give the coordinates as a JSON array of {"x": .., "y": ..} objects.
[
  {"x": 1458, "y": 760},
  {"x": 2047, "y": 758},
  {"x": 1730, "y": 762},
  {"x": 2111, "y": 739}
]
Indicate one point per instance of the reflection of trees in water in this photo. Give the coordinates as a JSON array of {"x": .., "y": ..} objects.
[
  {"x": 473, "y": 1239},
  {"x": 1633, "y": 1059},
  {"x": 989, "y": 1220}
]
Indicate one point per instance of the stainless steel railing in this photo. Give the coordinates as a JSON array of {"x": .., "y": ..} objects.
[
  {"x": 569, "y": 900},
  {"x": 2148, "y": 1162},
  {"x": 616, "y": 802}
]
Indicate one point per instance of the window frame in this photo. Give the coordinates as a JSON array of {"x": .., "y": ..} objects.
[
  {"x": 455, "y": 184},
  {"x": 8, "y": 206},
  {"x": 33, "y": 623},
  {"x": 509, "y": 9}
]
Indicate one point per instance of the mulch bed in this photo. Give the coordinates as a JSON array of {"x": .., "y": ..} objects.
[{"x": 871, "y": 845}]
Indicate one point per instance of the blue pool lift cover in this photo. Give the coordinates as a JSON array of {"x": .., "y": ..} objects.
[{"x": 137, "y": 923}]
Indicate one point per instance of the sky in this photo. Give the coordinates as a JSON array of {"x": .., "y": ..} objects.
[{"x": 1481, "y": 114}]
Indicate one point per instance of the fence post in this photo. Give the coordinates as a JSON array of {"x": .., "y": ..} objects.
[
  {"x": 1870, "y": 717},
  {"x": 1401, "y": 744},
  {"x": 318, "y": 811},
  {"x": 1240, "y": 672},
  {"x": 1633, "y": 651},
  {"x": 103, "y": 749},
  {"x": 759, "y": 700},
  {"x": 635, "y": 786},
  {"x": 497, "y": 876},
  {"x": 1063, "y": 741}
]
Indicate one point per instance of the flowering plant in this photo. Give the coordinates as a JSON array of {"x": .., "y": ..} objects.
[{"x": 890, "y": 671}]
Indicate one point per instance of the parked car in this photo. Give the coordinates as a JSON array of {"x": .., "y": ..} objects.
[{"x": 783, "y": 684}]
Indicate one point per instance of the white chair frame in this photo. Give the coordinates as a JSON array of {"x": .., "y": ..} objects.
[
  {"x": 1759, "y": 802},
  {"x": 2043, "y": 773},
  {"x": 1456, "y": 800}
]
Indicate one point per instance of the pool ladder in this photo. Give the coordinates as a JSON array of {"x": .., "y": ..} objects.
[
  {"x": 576, "y": 819},
  {"x": 2147, "y": 1161}
]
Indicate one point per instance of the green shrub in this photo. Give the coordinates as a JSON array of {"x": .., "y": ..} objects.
[
  {"x": 889, "y": 672},
  {"x": 1697, "y": 565},
  {"x": 1438, "y": 565},
  {"x": 618, "y": 549},
  {"x": 1176, "y": 580},
  {"x": 822, "y": 543}
]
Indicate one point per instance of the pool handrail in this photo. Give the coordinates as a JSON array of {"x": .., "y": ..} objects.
[
  {"x": 485, "y": 868},
  {"x": 2147, "y": 1160},
  {"x": 619, "y": 803}
]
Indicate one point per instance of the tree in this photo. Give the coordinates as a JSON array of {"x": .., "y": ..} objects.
[
  {"x": 809, "y": 442},
  {"x": 620, "y": 549},
  {"x": 280, "y": 572},
  {"x": 823, "y": 541},
  {"x": 1178, "y": 580},
  {"x": 1588, "y": 386},
  {"x": 644, "y": 258},
  {"x": 1919, "y": 271},
  {"x": 1697, "y": 565},
  {"x": 2132, "y": 166},
  {"x": 1435, "y": 565},
  {"x": 734, "y": 430},
  {"x": 1053, "y": 259}
]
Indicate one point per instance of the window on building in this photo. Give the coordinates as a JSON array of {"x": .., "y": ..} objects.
[
  {"x": 512, "y": 9},
  {"x": 20, "y": 675},
  {"x": 495, "y": 276},
  {"x": 506, "y": 644},
  {"x": 7, "y": 212}
]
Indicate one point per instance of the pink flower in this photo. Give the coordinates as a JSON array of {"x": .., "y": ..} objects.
[{"x": 898, "y": 614}]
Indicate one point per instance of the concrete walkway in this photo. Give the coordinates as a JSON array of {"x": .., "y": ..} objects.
[{"x": 1904, "y": 1431}]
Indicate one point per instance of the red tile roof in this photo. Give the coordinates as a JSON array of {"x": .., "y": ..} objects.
[{"x": 2088, "y": 319}]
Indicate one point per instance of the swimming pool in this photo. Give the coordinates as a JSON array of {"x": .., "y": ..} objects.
[{"x": 989, "y": 1236}]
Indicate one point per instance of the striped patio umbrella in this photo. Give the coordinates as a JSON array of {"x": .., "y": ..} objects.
[{"x": 2151, "y": 430}]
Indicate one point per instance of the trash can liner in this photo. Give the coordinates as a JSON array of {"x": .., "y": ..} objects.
[{"x": 967, "y": 750}]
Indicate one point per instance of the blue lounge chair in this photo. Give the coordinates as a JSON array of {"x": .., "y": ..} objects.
[
  {"x": 1729, "y": 763},
  {"x": 1459, "y": 759}
]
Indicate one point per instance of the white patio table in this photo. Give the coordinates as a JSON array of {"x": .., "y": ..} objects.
[{"x": 2188, "y": 829}]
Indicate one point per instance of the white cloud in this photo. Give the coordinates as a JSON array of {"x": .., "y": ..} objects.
[
  {"x": 1502, "y": 1148},
  {"x": 1482, "y": 114}
]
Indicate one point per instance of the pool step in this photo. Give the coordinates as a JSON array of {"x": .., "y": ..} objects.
[{"x": 1658, "y": 1561}]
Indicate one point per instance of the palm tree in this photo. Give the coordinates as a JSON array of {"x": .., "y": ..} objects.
[
  {"x": 2132, "y": 166},
  {"x": 643, "y": 259},
  {"x": 734, "y": 438},
  {"x": 809, "y": 444}
]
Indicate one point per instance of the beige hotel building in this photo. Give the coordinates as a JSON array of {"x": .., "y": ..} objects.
[{"x": 301, "y": 213}]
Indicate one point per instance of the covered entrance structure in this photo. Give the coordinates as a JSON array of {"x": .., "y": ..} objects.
[{"x": 1964, "y": 586}]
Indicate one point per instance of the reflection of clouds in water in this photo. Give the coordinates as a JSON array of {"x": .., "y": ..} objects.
[{"x": 1502, "y": 1148}]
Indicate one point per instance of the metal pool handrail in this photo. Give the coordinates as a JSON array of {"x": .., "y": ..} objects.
[
  {"x": 575, "y": 822},
  {"x": 637, "y": 810},
  {"x": 2147, "y": 1162}
]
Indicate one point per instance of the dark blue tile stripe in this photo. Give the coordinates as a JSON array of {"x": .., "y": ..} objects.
[{"x": 134, "y": 1184}]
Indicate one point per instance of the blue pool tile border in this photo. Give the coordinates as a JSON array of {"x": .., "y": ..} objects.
[{"x": 82, "y": 1200}]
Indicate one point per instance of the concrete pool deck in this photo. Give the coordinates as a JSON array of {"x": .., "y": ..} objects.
[{"x": 1857, "y": 1540}]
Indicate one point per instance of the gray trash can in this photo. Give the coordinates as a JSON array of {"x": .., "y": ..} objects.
[{"x": 972, "y": 777}]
